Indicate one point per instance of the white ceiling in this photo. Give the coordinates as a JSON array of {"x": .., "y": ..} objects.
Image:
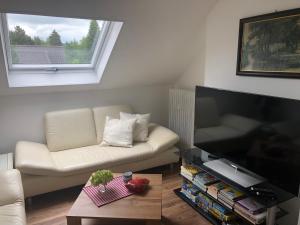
[{"x": 155, "y": 45}]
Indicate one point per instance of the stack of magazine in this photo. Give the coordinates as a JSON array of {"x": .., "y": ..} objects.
[
  {"x": 251, "y": 210},
  {"x": 215, "y": 188},
  {"x": 190, "y": 191},
  {"x": 228, "y": 196},
  {"x": 189, "y": 172},
  {"x": 203, "y": 180},
  {"x": 204, "y": 202},
  {"x": 221, "y": 213}
]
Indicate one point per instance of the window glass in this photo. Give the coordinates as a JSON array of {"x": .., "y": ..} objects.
[{"x": 45, "y": 40}]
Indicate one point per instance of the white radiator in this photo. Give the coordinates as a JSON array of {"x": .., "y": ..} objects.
[{"x": 181, "y": 115}]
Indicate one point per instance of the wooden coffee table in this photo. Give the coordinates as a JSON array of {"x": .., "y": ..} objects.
[{"x": 145, "y": 207}]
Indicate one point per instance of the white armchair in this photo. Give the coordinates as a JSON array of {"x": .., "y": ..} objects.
[{"x": 12, "y": 207}]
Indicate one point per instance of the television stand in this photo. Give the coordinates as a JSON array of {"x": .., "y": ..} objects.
[
  {"x": 272, "y": 210},
  {"x": 271, "y": 215}
]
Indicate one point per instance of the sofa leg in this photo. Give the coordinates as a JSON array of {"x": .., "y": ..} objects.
[
  {"x": 28, "y": 202},
  {"x": 171, "y": 167}
]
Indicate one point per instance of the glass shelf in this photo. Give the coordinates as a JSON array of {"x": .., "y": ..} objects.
[{"x": 193, "y": 157}]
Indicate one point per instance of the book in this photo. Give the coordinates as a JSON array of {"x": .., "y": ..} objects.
[
  {"x": 225, "y": 203},
  {"x": 193, "y": 198},
  {"x": 231, "y": 193},
  {"x": 201, "y": 186},
  {"x": 204, "y": 202},
  {"x": 215, "y": 214},
  {"x": 205, "y": 178},
  {"x": 202, "y": 180},
  {"x": 255, "y": 219},
  {"x": 251, "y": 205},
  {"x": 228, "y": 201},
  {"x": 220, "y": 208},
  {"x": 191, "y": 170},
  {"x": 222, "y": 213},
  {"x": 190, "y": 191},
  {"x": 220, "y": 216},
  {"x": 186, "y": 175},
  {"x": 225, "y": 199},
  {"x": 214, "y": 189}
]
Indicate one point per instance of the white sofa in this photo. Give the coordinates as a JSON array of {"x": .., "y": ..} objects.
[
  {"x": 73, "y": 151},
  {"x": 12, "y": 208}
]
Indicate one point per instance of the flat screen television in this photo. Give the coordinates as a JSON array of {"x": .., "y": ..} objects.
[{"x": 257, "y": 132}]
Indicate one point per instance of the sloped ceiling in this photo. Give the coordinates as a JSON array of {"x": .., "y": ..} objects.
[{"x": 154, "y": 47}]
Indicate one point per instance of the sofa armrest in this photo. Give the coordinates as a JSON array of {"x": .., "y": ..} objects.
[
  {"x": 33, "y": 158},
  {"x": 161, "y": 138},
  {"x": 11, "y": 188}
]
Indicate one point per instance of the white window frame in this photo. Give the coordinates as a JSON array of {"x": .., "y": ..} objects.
[{"x": 60, "y": 74}]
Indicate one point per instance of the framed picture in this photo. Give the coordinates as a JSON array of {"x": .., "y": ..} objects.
[{"x": 269, "y": 45}]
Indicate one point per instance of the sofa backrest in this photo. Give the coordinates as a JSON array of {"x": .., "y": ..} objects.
[
  {"x": 100, "y": 114},
  {"x": 70, "y": 129}
]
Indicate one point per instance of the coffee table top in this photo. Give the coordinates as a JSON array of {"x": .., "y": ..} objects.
[{"x": 146, "y": 206}]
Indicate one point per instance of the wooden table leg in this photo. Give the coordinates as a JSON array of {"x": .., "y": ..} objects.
[{"x": 73, "y": 220}]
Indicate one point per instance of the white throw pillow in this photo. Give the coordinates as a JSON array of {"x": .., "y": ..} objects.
[
  {"x": 140, "y": 132},
  {"x": 118, "y": 132}
]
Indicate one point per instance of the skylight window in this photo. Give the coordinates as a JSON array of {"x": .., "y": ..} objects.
[{"x": 54, "y": 45}]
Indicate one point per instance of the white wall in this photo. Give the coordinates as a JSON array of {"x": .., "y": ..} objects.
[
  {"x": 215, "y": 67},
  {"x": 221, "y": 48},
  {"x": 21, "y": 117},
  {"x": 194, "y": 73},
  {"x": 215, "y": 63}
]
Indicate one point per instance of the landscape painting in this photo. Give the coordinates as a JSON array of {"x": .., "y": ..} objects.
[{"x": 269, "y": 45}]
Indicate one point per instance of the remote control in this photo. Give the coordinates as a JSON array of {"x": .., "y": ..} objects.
[
  {"x": 266, "y": 195},
  {"x": 264, "y": 190}
]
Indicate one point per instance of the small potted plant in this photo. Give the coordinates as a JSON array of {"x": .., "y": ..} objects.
[{"x": 101, "y": 177}]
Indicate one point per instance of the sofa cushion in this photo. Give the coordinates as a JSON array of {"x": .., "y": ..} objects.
[
  {"x": 32, "y": 158},
  {"x": 94, "y": 157},
  {"x": 80, "y": 159},
  {"x": 139, "y": 151},
  {"x": 100, "y": 114},
  {"x": 161, "y": 138},
  {"x": 118, "y": 132},
  {"x": 140, "y": 132},
  {"x": 70, "y": 129},
  {"x": 13, "y": 214}
]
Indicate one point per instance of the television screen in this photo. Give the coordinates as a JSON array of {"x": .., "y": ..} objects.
[{"x": 260, "y": 133}]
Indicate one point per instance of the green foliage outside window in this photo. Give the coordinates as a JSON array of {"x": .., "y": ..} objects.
[
  {"x": 19, "y": 37},
  {"x": 76, "y": 52},
  {"x": 54, "y": 39}
]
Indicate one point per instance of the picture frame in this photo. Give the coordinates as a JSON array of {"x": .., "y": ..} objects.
[{"x": 269, "y": 45}]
